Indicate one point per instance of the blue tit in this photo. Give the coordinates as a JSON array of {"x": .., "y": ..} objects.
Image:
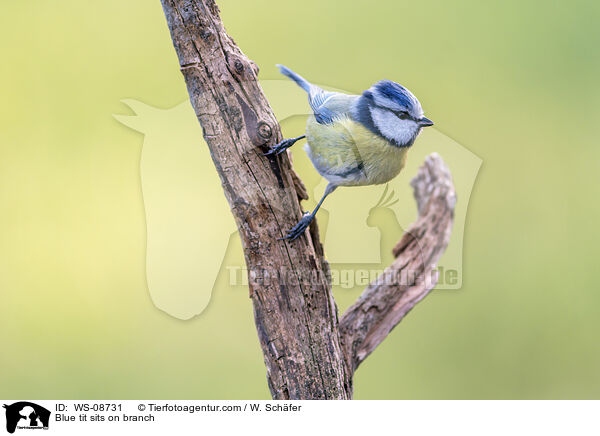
[{"x": 356, "y": 140}]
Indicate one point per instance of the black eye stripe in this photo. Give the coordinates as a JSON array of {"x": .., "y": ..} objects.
[{"x": 403, "y": 115}]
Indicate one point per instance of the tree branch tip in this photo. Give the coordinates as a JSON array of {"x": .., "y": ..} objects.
[
  {"x": 384, "y": 303},
  {"x": 433, "y": 179}
]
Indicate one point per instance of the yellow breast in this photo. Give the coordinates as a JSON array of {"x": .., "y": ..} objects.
[{"x": 337, "y": 148}]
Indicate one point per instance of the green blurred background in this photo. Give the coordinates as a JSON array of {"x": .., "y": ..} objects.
[{"x": 514, "y": 82}]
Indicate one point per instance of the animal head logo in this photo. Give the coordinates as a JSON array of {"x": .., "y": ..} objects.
[
  {"x": 382, "y": 213},
  {"x": 384, "y": 219},
  {"x": 192, "y": 241},
  {"x": 26, "y": 415}
]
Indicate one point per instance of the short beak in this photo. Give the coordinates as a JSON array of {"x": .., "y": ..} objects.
[{"x": 425, "y": 122}]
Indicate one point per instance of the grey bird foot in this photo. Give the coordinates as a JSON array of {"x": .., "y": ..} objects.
[
  {"x": 299, "y": 228},
  {"x": 281, "y": 147}
]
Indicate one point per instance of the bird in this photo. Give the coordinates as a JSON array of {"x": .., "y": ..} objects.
[{"x": 355, "y": 140}]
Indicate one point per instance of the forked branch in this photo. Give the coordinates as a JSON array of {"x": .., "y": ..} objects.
[
  {"x": 413, "y": 273},
  {"x": 308, "y": 354}
]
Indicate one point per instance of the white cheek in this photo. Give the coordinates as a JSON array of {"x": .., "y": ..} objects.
[{"x": 392, "y": 127}]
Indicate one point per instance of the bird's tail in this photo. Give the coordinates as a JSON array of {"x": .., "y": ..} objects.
[{"x": 301, "y": 81}]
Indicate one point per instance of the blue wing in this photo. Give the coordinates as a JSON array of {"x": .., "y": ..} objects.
[{"x": 319, "y": 99}]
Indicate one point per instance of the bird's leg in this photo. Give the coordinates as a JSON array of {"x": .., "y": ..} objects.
[
  {"x": 283, "y": 145},
  {"x": 307, "y": 218}
]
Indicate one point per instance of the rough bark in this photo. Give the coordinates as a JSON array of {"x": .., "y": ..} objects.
[
  {"x": 412, "y": 275},
  {"x": 294, "y": 310}
]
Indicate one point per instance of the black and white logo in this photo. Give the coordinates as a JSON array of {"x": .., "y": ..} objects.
[{"x": 26, "y": 415}]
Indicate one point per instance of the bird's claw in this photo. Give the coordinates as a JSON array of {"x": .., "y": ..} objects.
[
  {"x": 280, "y": 148},
  {"x": 299, "y": 228}
]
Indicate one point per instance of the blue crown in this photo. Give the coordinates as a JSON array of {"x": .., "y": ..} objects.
[{"x": 395, "y": 93}]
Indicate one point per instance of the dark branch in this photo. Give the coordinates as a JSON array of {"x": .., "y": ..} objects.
[
  {"x": 294, "y": 310},
  {"x": 307, "y": 352}
]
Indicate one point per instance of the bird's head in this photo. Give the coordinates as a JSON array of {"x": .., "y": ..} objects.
[{"x": 392, "y": 111}]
